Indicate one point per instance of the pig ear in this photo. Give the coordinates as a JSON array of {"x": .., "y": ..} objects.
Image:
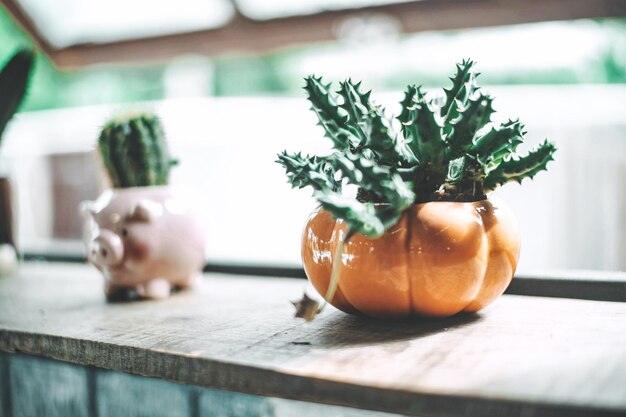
[
  {"x": 87, "y": 208},
  {"x": 146, "y": 211}
]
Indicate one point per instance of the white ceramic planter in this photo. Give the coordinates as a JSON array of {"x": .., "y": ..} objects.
[{"x": 144, "y": 240}]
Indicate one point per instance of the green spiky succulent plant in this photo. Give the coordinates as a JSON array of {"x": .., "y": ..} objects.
[
  {"x": 134, "y": 151},
  {"x": 447, "y": 150}
]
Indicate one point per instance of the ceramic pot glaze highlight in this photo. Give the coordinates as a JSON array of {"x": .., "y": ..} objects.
[
  {"x": 143, "y": 239},
  {"x": 441, "y": 258}
]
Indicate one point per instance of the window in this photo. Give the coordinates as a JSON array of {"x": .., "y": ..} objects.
[{"x": 227, "y": 116}]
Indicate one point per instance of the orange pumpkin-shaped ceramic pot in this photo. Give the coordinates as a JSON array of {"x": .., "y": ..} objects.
[{"x": 441, "y": 258}]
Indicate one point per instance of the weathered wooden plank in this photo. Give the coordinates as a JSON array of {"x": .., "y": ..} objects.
[
  {"x": 42, "y": 387},
  {"x": 521, "y": 356}
]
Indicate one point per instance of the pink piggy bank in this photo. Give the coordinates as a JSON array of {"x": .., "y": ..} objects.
[{"x": 144, "y": 241}]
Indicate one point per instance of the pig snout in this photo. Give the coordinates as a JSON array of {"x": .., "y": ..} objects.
[{"x": 107, "y": 249}]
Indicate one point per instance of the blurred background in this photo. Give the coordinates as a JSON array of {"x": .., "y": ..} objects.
[{"x": 226, "y": 78}]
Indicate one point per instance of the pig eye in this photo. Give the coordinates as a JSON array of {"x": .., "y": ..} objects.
[{"x": 124, "y": 232}]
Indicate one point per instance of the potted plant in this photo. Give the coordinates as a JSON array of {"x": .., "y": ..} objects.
[
  {"x": 14, "y": 78},
  {"x": 421, "y": 235},
  {"x": 139, "y": 234}
]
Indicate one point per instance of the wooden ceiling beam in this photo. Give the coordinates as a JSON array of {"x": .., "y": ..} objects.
[{"x": 246, "y": 36}]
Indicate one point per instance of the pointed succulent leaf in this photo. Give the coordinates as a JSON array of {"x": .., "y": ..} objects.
[
  {"x": 497, "y": 143},
  {"x": 456, "y": 170},
  {"x": 516, "y": 169},
  {"x": 311, "y": 171},
  {"x": 357, "y": 106},
  {"x": 383, "y": 142},
  {"x": 473, "y": 116},
  {"x": 463, "y": 85},
  {"x": 379, "y": 181},
  {"x": 407, "y": 106},
  {"x": 465, "y": 170},
  {"x": 420, "y": 127},
  {"x": 370, "y": 124},
  {"x": 330, "y": 116},
  {"x": 453, "y": 116},
  {"x": 360, "y": 217},
  {"x": 369, "y": 175}
]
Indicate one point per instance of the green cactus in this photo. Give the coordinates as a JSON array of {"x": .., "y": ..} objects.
[
  {"x": 14, "y": 79},
  {"x": 134, "y": 151},
  {"x": 448, "y": 151}
]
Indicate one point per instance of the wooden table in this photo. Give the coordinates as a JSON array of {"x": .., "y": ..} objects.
[{"x": 522, "y": 356}]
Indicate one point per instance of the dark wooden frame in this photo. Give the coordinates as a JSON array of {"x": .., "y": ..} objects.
[{"x": 245, "y": 35}]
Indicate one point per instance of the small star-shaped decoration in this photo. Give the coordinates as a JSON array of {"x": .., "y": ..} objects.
[{"x": 306, "y": 308}]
